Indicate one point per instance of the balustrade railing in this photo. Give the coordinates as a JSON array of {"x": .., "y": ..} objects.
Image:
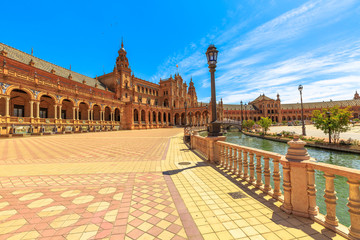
[
  {"x": 252, "y": 165},
  {"x": 264, "y": 170}
]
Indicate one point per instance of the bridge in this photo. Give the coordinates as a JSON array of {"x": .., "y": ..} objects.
[{"x": 228, "y": 123}]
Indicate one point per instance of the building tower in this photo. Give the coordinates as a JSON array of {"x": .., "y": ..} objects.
[
  {"x": 356, "y": 95},
  {"x": 192, "y": 94},
  {"x": 124, "y": 83}
]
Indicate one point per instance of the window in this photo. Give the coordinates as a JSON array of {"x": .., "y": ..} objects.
[
  {"x": 138, "y": 88},
  {"x": 126, "y": 95},
  {"x": 43, "y": 112},
  {"x": 18, "y": 110}
]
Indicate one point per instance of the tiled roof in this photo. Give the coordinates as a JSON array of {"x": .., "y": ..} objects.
[
  {"x": 23, "y": 57},
  {"x": 341, "y": 103},
  {"x": 262, "y": 98},
  {"x": 238, "y": 107}
]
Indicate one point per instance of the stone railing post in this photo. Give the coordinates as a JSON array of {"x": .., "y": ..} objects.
[
  {"x": 214, "y": 155},
  {"x": 298, "y": 182}
]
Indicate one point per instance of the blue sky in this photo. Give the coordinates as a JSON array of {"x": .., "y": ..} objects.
[{"x": 265, "y": 46}]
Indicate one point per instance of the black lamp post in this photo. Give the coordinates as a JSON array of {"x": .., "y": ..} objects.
[
  {"x": 302, "y": 111},
  {"x": 211, "y": 55},
  {"x": 241, "y": 113},
  {"x": 185, "y": 104},
  {"x": 328, "y": 114}
]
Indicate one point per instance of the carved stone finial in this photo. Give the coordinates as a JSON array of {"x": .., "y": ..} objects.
[
  {"x": 3, "y": 52},
  {"x": 31, "y": 63},
  {"x": 297, "y": 152}
]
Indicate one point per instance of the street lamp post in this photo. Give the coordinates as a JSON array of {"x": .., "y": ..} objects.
[
  {"x": 185, "y": 104},
  {"x": 329, "y": 115},
  {"x": 241, "y": 113},
  {"x": 302, "y": 111},
  {"x": 211, "y": 55}
]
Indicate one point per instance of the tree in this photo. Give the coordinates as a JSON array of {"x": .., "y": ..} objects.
[
  {"x": 332, "y": 121},
  {"x": 248, "y": 124},
  {"x": 265, "y": 124}
]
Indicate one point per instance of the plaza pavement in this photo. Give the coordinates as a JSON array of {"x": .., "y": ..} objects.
[
  {"x": 143, "y": 184},
  {"x": 353, "y": 133}
]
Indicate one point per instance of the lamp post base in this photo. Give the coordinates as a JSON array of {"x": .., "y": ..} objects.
[{"x": 215, "y": 129}]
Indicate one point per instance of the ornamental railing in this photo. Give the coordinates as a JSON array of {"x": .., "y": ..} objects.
[{"x": 290, "y": 179}]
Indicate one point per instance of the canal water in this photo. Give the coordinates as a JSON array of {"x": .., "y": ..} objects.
[{"x": 327, "y": 156}]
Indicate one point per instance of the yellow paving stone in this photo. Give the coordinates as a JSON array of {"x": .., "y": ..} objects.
[
  {"x": 51, "y": 211},
  {"x": 83, "y": 199},
  {"x": 98, "y": 206},
  {"x": 40, "y": 203},
  {"x": 87, "y": 235},
  {"x": 237, "y": 233},
  {"x": 70, "y": 193},
  {"x": 30, "y": 196},
  {"x": 12, "y": 225},
  {"x": 21, "y": 191},
  {"x": 107, "y": 190},
  {"x": 64, "y": 221},
  {"x": 165, "y": 235},
  {"x": 145, "y": 226},
  {"x": 257, "y": 237},
  {"x": 224, "y": 235},
  {"x": 283, "y": 234},
  {"x": 79, "y": 229},
  {"x": 111, "y": 215},
  {"x": 31, "y": 235},
  {"x": 210, "y": 236},
  {"x": 205, "y": 229},
  {"x": 17, "y": 236},
  {"x": 163, "y": 224}
]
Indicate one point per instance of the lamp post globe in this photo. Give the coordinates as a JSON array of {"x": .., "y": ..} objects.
[
  {"x": 300, "y": 88},
  {"x": 211, "y": 55}
]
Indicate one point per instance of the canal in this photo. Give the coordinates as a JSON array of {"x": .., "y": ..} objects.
[{"x": 322, "y": 155}]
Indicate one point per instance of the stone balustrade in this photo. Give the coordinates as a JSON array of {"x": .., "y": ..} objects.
[{"x": 262, "y": 170}]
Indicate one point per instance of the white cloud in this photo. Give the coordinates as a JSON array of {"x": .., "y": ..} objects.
[{"x": 266, "y": 59}]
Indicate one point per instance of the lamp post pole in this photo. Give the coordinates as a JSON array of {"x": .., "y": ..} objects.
[
  {"x": 211, "y": 55},
  {"x": 241, "y": 113},
  {"x": 185, "y": 113},
  {"x": 302, "y": 111}
]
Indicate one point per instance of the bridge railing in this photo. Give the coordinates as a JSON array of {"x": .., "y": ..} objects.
[{"x": 290, "y": 179}]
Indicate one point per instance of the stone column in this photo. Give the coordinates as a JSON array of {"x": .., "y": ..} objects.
[
  {"x": 92, "y": 115},
  {"x": 7, "y": 106},
  {"x": 74, "y": 113},
  {"x": 297, "y": 180},
  {"x": 60, "y": 111},
  {"x": 88, "y": 114},
  {"x": 37, "y": 109},
  {"x": 31, "y": 109},
  {"x": 55, "y": 111},
  {"x": 77, "y": 114}
]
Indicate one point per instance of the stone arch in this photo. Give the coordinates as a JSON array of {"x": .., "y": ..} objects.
[
  {"x": 183, "y": 119},
  {"x": 107, "y": 113},
  {"x": 28, "y": 91},
  {"x": 159, "y": 117},
  {"x": 136, "y": 116},
  {"x": 143, "y": 115},
  {"x": 177, "y": 119},
  {"x": 47, "y": 106},
  {"x": 154, "y": 117},
  {"x": 96, "y": 112},
  {"x": 83, "y": 111},
  {"x": 117, "y": 115},
  {"x": 67, "y": 109},
  {"x": 19, "y": 104}
]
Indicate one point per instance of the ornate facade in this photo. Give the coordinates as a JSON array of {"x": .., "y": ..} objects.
[
  {"x": 39, "y": 97},
  {"x": 264, "y": 106}
]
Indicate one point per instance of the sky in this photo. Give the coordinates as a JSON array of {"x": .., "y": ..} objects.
[{"x": 265, "y": 46}]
